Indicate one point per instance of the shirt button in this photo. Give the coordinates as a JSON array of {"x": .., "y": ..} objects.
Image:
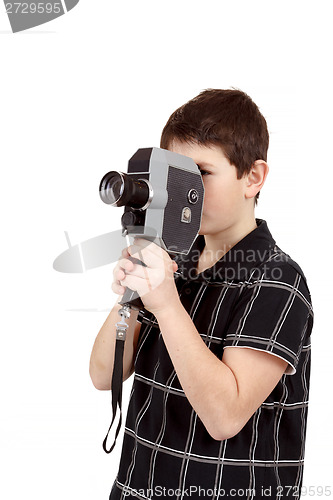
[{"x": 187, "y": 290}]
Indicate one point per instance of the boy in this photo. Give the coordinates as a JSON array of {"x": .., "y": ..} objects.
[{"x": 222, "y": 350}]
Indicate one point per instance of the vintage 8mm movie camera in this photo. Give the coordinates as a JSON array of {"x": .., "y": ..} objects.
[{"x": 162, "y": 193}]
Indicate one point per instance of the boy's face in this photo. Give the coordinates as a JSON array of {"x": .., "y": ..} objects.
[{"x": 225, "y": 205}]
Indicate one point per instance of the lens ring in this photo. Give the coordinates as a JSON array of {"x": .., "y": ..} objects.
[
  {"x": 118, "y": 189},
  {"x": 107, "y": 190},
  {"x": 150, "y": 196}
]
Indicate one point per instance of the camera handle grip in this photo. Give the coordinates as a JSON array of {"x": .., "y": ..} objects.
[{"x": 132, "y": 297}]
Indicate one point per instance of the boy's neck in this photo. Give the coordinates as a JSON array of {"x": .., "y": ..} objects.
[{"x": 217, "y": 245}]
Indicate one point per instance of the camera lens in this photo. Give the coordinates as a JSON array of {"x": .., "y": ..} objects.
[
  {"x": 111, "y": 188},
  {"x": 121, "y": 190}
]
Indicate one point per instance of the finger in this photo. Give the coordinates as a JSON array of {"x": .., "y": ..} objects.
[
  {"x": 150, "y": 245},
  {"x": 126, "y": 264},
  {"x": 140, "y": 285},
  {"x": 146, "y": 251},
  {"x": 139, "y": 271},
  {"x": 119, "y": 271},
  {"x": 125, "y": 253},
  {"x": 119, "y": 275},
  {"x": 116, "y": 270},
  {"x": 123, "y": 266},
  {"x": 117, "y": 288}
]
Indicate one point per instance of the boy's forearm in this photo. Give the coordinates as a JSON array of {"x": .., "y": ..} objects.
[
  {"x": 102, "y": 355},
  {"x": 208, "y": 383}
]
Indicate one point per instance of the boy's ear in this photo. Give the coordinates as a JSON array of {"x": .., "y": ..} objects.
[{"x": 256, "y": 178}]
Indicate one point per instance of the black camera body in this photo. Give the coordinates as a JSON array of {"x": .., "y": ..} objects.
[{"x": 162, "y": 194}]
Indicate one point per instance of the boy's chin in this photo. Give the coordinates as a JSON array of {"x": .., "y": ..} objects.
[{"x": 204, "y": 228}]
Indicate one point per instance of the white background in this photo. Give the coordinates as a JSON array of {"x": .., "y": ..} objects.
[{"x": 78, "y": 97}]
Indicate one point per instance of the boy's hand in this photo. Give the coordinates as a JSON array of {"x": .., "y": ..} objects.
[{"x": 154, "y": 283}]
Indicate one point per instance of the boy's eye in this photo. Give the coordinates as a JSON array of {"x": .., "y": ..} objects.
[{"x": 203, "y": 172}]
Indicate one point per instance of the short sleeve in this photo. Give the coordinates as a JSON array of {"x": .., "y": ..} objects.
[{"x": 273, "y": 315}]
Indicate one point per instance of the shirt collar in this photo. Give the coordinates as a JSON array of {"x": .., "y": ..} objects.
[{"x": 240, "y": 263}]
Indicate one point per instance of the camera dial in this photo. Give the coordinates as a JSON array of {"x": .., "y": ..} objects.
[{"x": 193, "y": 196}]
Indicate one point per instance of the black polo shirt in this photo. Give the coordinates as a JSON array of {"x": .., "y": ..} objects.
[{"x": 254, "y": 297}]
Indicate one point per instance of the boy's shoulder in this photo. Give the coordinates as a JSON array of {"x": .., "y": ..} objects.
[
  {"x": 281, "y": 258},
  {"x": 280, "y": 270},
  {"x": 256, "y": 258}
]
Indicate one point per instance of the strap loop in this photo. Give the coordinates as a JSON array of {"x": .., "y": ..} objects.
[{"x": 117, "y": 376}]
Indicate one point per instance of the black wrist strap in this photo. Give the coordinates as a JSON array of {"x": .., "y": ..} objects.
[
  {"x": 116, "y": 391},
  {"x": 117, "y": 375}
]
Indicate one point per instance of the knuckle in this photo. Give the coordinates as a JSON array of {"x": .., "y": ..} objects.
[
  {"x": 123, "y": 265},
  {"x": 119, "y": 275}
]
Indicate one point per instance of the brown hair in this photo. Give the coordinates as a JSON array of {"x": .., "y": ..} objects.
[{"x": 226, "y": 118}]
